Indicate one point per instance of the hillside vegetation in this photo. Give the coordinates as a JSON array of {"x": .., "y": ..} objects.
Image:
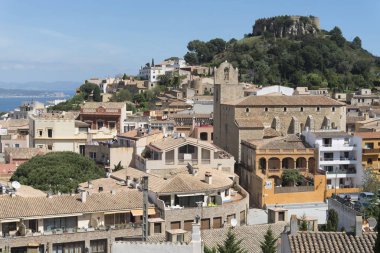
[{"x": 316, "y": 60}]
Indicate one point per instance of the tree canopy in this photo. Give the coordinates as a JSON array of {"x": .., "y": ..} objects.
[
  {"x": 269, "y": 243},
  {"x": 57, "y": 172},
  {"x": 324, "y": 59},
  {"x": 230, "y": 245}
]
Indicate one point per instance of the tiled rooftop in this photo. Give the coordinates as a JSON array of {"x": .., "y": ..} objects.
[
  {"x": 261, "y": 101},
  {"x": 332, "y": 242},
  {"x": 18, "y": 207},
  {"x": 290, "y": 141}
]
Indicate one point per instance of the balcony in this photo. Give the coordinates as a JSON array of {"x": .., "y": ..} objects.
[
  {"x": 371, "y": 151},
  {"x": 73, "y": 234}
]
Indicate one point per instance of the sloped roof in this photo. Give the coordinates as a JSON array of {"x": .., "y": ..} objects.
[
  {"x": 24, "y": 153},
  {"x": 171, "y": 142},
  {"x": 285, "y": 101},
  {"x": 290, "y": 141},
  {"x": 321, "y": 242},
  {"x": 249, "y": 123},
  {"x": 18, "y": 207},
  {"x": 107, "y": 105}
]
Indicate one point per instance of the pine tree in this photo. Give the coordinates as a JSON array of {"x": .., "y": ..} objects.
[
  {"x": 377, "y": 243},
  {"x": 332, "y": 221},
  {"x": 269, "y": 243},
  {"x": 303, "y": 225},
  {"x": 231, "y": 244}
]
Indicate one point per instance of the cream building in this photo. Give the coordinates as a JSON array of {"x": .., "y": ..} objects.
[{"x": 62, "y": 132}]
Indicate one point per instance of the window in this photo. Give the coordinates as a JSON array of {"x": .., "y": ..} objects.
[
  {"x": 112, "y": 124},
  {"x": 266, "y": 109},
  {"x": 227, "y": 192},
  {"x": 93, "y": 155},
  {"x": 50, "y": 133},
  {"x": 281, "y": 216},
  {"x": 285, "y": 109},
  {"x": 301, "y": 109},
  {"x": 369, "y": 161},
  {"x": 318, "y": 108},
  {"x": 50, "y": 147},
  {"x": 368, "y": 145},
  {"x": 39, "y": 132},
  {"x": 157, "y": 228},
  {"x": 17, "y": 145},
  {"x": 247, "y": 109},
  {"x": 333, "y": 109},
  {"x": 100, "y": 124}
]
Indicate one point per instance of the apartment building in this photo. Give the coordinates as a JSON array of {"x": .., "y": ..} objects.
[
  {"x": 26, "y": 109},
  {"x": 100, "y": 115},
  {"x": 265, "y": 161},
  {"x": 183, "y": 193},
  {"x": 339, "y": 156},
  {"x": 177, "y": 151},
  {"x": 370, "y": 150},
  {"x": 14, "y": 133},
  {"x": 62, "y": 132},
  {"x": 71, "y": 223}
]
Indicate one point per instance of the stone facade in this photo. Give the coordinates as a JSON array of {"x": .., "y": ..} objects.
[{"x": 284, "y": 114}]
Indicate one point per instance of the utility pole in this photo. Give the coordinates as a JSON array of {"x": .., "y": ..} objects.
[{"x": 145, "y": 208}]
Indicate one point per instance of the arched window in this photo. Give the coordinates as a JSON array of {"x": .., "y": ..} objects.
[
  {"x": 226, "y": 73},
  {"x": 247, "y": 109}
]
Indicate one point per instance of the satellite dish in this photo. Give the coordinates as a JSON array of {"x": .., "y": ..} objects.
[
  {"x": 16, "y": 185},
  {"x": 372, "y": 222},
  {"x": 233, "y": 222}
]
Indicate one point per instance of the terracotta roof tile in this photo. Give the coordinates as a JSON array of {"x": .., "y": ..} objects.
[
  {"x": 286, "y": 101},
  {"x": 249, "y": 123},
  {"x": 321, "y": 242}
]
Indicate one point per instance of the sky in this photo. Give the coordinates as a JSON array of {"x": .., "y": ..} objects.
[{"x": 74, "y": 40}]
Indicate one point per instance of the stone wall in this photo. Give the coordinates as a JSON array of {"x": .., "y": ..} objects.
[{"x": 347, "y": 215}]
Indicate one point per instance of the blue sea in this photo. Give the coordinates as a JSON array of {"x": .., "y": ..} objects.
[{"x": 8, "y": 104}]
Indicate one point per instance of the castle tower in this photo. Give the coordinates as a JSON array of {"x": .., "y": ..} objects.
[{"x": 226, "y": 89}]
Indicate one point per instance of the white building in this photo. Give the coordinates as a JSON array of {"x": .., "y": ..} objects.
[
  {"x": 26, "y": 109},
  {"x": 339, "y": 155},
  {"x": 271, "y": 90},
  {"x": 153, "y": 73}
]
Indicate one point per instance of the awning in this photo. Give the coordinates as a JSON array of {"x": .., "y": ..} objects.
[
  {"x": 151, "y": 211},
  {"x": 52, "y": 216},
  {"x": 117, "y": 212},
  {"x": 7, "y": 221},
  {"x": 190, "y": 194}
]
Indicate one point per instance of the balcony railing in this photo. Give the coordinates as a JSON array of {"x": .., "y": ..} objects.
[
  {"x": 59, "y": 231},
  {"x": 342, "y": 171},
  {"x": 292, "y": 189},
  {"x": 371, "y": 150},
  {"x": 326, "y": 159}
]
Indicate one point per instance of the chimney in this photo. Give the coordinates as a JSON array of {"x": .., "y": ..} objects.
[
  {"x": 113, "y": 192},
  {"x": 219, "y": 166},
  {"x": 208, "y": 177},
  {"x": 89, "y": 184},
  {"x": 196, "y": 232},
  {"x": 358, "y": 225},
  {"x": 83, "y": 196},
  {"x": 293, "y": 224}
]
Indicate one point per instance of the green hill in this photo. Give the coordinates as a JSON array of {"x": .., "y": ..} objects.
[{"x": 316, "y": 60}]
